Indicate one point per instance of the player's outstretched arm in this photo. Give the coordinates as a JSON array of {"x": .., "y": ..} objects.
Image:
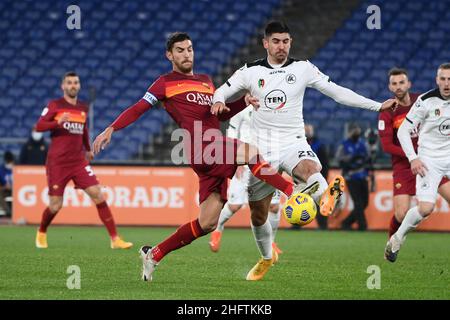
[
  {"x": 342, "y": 95},
  {"x": 413, "y": 120},
  {"x": 228, "y": 111},
  {"x": 102, "y": 140},
  {"x": 126, "y": 118},
  {"x": 235, "y": 87},
  {"x": 388, "y": 104},
  {"x": 404, "y": 137}
]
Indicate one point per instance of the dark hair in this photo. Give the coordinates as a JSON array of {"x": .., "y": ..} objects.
[
  {"x": 69, "y": 74},
  {"x": 397, "y": 71},
  {"x": 445, "y": 66},
  {"x": 176, "y": 37},
  {"x": 275, "y": 27},
  {"x": 353, "y": 125},
  {"x": 8, "y": 156}
]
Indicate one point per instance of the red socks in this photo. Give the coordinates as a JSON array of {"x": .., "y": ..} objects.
[
  {"x": 183, "y": 236},
  {"x": 265, "y": 172},
  {"x": 393, "y": 226},
  {"x": 105, "y": 215},
  {"x": 46, "y": 219}
]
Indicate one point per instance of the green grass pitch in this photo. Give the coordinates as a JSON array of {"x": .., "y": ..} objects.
[{"x": 315, "y": 265}]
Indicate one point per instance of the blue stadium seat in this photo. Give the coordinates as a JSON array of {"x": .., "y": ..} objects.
[{"x": 120, "y": 52}]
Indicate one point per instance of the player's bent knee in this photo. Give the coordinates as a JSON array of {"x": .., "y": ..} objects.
[
  {"x": 400, "y": 212},
  {"x": 208, "y": 226},
  {"x": 95, "y": 194},
  {"x": 426, "y": 208},
  {"x": 55, "y": 207},
  {"x": 258, "y": 219},
  {"x": 306, "y": 168},
  {"x": 234, "y": 207}
]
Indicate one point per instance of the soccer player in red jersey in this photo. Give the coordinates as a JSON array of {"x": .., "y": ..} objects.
[
  {"x": 187, "y": 98},
  {"x": 68, "y": 159},
  {"x": 388, "y": 124}
]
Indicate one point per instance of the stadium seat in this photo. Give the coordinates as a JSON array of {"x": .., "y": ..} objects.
[{"x": 120, "y": 52}]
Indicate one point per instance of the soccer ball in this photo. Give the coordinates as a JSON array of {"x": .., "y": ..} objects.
[{"x": 300, "y": 209}]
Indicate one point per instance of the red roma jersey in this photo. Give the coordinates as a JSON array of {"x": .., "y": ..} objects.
[
  {"x": 70, "y": 140},
  {"x": 187, "y": 99},
  {"x": 388, "y": 124}
]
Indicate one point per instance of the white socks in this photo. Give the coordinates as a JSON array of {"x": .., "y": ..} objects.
[
  {"x": 323, "y": 185},
  {"x": 263, "y": 238},
  {"x": 410, "y": 222},
  {"x": 274, "y": 220},
  {"x": 225, "y": 215}
]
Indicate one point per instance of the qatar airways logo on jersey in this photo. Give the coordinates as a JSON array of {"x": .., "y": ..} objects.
[
  {"x": 74, "y": 127},
  {"x": 199, "y": 98}
]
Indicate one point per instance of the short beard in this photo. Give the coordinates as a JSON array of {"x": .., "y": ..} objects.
[
  {"x": 72, "y": 96},
  {"x": 185, "y": 70},
  {"x": 279, "y": 60},
  {"x": 402, "y": 96}
]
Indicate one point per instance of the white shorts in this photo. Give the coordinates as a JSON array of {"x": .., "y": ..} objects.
[
  {"x": 285, "y": 160},
  {"x": 237, "y": 190},
  {"x": 427, "y": 186}
]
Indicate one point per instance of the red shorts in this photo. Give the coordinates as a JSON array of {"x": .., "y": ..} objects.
[
  {"x": 214, "y": 177},
  {"x": 405, "y": 182},
  {"x": 58, "y": 177}
]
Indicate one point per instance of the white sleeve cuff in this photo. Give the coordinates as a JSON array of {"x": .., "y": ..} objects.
[{"x": 412, "y": 157}]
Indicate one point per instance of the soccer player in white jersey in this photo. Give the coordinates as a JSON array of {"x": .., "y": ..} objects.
[
  {"x": 279, "y": 83},
  {"x": 239, "y": 128},
  {"x": 431, "y": 115}
]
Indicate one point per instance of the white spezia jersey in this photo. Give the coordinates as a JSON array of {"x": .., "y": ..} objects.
[
  {"x": 431, "y": 115},
  {"x": 239, "y": 126},
  {"x": 280, "y": 92}
]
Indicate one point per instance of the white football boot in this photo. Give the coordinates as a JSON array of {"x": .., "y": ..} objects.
[{"x": 148, "y": 264}]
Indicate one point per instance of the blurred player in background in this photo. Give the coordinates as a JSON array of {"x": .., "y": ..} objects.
[
  {"x": 6, "y": 182},
  {"x": 35, "y": 150},
  {"x": 353, "y": 157},
  {"x": 68, "y": 159},
  {"x": 431, "y": 114},
  {"x": 187, "y": 98},
  {"x": 239, "y": 128},
  {"x": 404, "y": 181},
  {"x": 279, "y": 83}
]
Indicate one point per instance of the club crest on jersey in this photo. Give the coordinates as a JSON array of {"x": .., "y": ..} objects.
[
  {"x": 290, "y": 78},
  {"x": 261, "y": 83},
  {"x": 437, "y": 112},
  {"x": 275, "y": 99},
  {"x": 74, "y": 127}
]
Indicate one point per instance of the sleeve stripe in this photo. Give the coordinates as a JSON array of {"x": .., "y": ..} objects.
[
  {"x": 409, "y": 120},
  {"x": 232, "y": 126},
  {"x": 228, "y": 83},
  {"x": 150, "y": 98}
]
